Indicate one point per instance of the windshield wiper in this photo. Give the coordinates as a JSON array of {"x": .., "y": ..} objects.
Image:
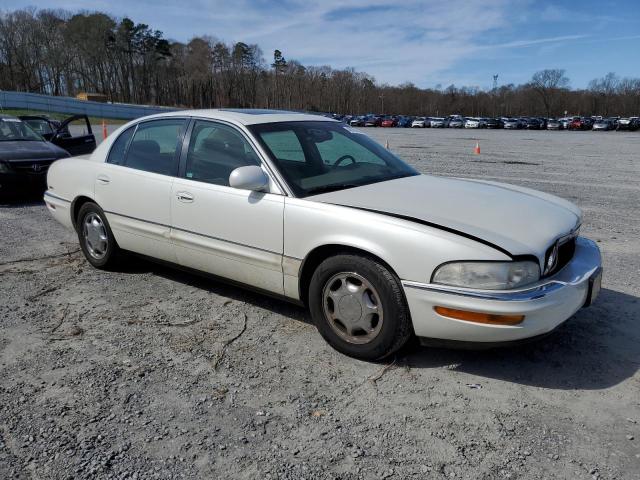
[{"x": 331, "y": 188}]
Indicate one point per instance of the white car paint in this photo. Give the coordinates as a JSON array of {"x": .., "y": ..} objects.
[
  {"x": 413, "y": 224},
  {"x": 522, "y": 223}
]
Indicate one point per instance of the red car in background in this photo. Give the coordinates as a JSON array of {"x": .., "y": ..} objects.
[
  {"x": 389, "y": 122},
  {"x": 580, "y": 123}
]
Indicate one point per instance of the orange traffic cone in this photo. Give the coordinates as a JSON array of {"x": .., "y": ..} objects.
[
  {"x": 386, "y": 145},
  {"x": 476, "y": 150},
  {"x": 104, "y": 130}
]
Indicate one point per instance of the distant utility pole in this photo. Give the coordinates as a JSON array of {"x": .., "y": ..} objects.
[
  {"x": 494, "y": 92},
  {"x": 382, "y": 98}
]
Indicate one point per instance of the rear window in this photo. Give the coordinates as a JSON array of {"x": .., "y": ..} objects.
[{"x": 119, "y": 147}]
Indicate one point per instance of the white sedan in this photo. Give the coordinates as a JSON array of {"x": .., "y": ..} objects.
[
  {"x": 475, "y": 123},
  {"x": 420, "y": 122},
  {"x": 308, "y": 209}
]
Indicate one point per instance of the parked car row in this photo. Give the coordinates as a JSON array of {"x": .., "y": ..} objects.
[{"x": 508, "y": 123}]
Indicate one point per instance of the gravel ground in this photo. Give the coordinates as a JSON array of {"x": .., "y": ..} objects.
[{"x": 152, "y": 373}]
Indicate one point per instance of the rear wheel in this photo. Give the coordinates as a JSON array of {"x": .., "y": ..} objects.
[
  {"x": 358, "y": 306},
  {"x": 96, "y": 239}
]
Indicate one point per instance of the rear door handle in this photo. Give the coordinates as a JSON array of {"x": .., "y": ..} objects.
[
  {"x": 185, "y": 197},
  {"x": 103, "y": 179}
]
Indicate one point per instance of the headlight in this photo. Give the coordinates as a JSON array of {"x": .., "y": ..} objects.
[{"x": 487, "y": 275}]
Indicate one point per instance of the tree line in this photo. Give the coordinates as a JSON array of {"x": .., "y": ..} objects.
[{"x": 58, "y": 52}]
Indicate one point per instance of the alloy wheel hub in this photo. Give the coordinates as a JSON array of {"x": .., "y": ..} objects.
[{"x": 352, "y": 307}]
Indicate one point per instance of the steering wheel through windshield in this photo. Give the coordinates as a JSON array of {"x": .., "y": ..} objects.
[{"x": 342, "y": 159}]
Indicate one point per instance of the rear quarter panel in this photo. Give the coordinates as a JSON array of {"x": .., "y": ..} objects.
[{"x": 67, "y": 180}]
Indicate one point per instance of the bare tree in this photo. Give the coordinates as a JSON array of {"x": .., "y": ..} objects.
[
  {"x": 548, "y": 83},
  {"x": 62, "y": 53}
]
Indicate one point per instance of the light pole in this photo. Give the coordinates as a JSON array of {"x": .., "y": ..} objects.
[{"x": 382, "y": 98}]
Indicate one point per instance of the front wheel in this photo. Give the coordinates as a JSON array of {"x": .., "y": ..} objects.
[
  {"x": 96, "y": 239},
  {"x": 358, "y": 306}
]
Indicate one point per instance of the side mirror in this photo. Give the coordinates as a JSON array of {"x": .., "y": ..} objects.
[{"x": 249, "y": 178}]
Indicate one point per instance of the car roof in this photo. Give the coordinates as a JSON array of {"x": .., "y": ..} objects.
[
  {"x": 3, "y": 116},
  {"x": 248, "y": 116}
]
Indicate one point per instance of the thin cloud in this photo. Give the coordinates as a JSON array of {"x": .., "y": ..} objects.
[{"x": 537, "y": 41}]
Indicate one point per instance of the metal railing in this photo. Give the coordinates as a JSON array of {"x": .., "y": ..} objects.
[{"x": 48, "y": 103}]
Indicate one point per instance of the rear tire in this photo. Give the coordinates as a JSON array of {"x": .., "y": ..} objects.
[
  {"x": 96, "y": 238},
  {"x": 359, "y": 307}
]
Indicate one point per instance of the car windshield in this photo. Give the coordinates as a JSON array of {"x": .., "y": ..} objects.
[
  {"x": 14, "y": 129},
  {"x": 39, "y": 125},
  {"x": 319, "y": 157}
]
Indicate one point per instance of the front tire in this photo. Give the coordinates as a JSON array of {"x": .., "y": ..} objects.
[
  {"x": 359, "y": 308},
  {"x": 95, "y": 236}
]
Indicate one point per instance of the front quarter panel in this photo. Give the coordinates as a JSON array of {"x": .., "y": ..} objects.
[{"x": 412, "y": 250}]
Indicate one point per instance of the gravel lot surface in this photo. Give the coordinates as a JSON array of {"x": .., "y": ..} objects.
[{"x": 152, "y": 373}]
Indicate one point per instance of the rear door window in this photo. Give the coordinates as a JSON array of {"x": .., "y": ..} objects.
[{"x": 155, "y": 146}]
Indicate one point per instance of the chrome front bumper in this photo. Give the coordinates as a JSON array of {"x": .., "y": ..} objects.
[{"x": 545, "y": 305}]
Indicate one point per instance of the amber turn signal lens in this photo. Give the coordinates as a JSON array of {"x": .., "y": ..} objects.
[{"x": 478, "y": 317}]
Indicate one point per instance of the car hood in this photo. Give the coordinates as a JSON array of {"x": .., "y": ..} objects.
[
  {"x": 516, "y": 219},
  {"x": 30, "y": 150}
]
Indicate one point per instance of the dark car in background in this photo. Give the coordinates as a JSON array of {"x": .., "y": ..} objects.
[
  {"x": 494, "y": 123},
  {"x": 373, "y": 121},
  {"x": 405, "y": 122},
  {"x": 631, "y": 123},
  {"x": 533, "y": 123},
  {"x": 60, "y": 135},
  {"x": 25, "y": 157},
  {"x": 357, "y": 121}
]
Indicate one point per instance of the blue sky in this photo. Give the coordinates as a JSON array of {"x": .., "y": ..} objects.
[{"x": 428, "y": 43}]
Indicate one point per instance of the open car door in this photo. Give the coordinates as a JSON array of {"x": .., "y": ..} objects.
[{"x": 79, "y": 143}]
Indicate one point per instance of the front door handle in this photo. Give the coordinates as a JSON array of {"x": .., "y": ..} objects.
[
  {"x": 103, "y": 179},
  {"x": 185, "y": 197}
]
